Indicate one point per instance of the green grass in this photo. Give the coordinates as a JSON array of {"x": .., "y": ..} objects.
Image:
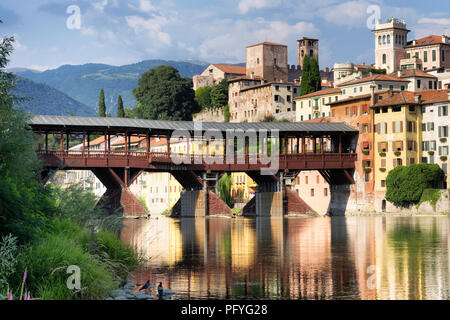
[{"x": 430, "y": 195}]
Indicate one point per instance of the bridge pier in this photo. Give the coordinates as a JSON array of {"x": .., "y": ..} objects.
[
  {"x": 118, "y": 196},
  {"x": 198, "y": 199},
  {"x": 274, "y": 197}
]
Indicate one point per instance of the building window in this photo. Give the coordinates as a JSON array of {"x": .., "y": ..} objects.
[
  {"x": 312, "y": 192},
  {"x": 366, "y": 177},
  {"x": 306, "y": 179},
  {"x": 384, "y": 40},
  {"x": 317, "y": 179},
  {"x": 443, "y": 131},
  {"x": 257, "y": 60},
  {"x": 277, "y": 88},
  {"x": 443, "y": 151},
  {"x": 325, "y": 192},
  {"x": 379, "y": 39},
  {"x": 391, "y": 87},
  {"x": 288, "y": 98},
  {"x": 380, "y": 87},
  {"x": 276, "y": 97},
  {"x": 430, "y": 85},
  {"x": 425, "y": 56},
  {"x": 418, "y": 84},
  {"x": 383, "y": 163},
  {"x": 433, "y": 55},
  {"x": 443, "y": 111},
  {"x": 384, "y": 58},
  {"x": 295, "y": 90},
  {"x": 383, "y": 183},
  {"x": 402, "y": 88},
  {"x": 388, "y": 39}
]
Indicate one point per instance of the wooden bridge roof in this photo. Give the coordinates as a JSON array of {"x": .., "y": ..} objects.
[{"x": 96, "y": 124}]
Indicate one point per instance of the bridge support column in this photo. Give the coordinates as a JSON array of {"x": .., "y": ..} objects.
[
  {"x": 198, "y": 199},
  {"x": 340, "y": 181},
  {"x": 275, "y": 198},
  {"x": 118, "y": 196}
]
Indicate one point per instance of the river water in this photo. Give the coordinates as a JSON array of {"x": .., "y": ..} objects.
[{"x": 296, "y": 258}]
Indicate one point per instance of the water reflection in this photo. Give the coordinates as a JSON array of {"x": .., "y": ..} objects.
[{"x": 296, "y": 258}]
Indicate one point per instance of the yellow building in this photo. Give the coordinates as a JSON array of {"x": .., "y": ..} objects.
[
  {"x": 242, "y": 187},
  {"x": 397, "y": 120}
]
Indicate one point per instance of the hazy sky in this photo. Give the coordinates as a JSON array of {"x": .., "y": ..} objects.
[{"x": 127, "y": 31}]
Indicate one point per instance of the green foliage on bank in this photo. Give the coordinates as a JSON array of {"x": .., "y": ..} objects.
[
  {"x": 405, "y": 185},
  {"x": 212, "y": 97},
  {"x": 430, "y": 195},
  {"x": 44, "y": 229},
  {"x": 225, "y": 189}
]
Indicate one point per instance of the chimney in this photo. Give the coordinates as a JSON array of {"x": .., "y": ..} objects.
[
  {"x": 399, "y": 73},
  {"x": 372, "y": 95},
  {"x": 418, "y": 98},
  {"x": 444, "y": 38},
  {"x": 414, "y": 42}
]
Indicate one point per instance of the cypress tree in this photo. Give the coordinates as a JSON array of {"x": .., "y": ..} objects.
[
  {"x": 316, "y": 80},
  {"x": 101, "y": 104},
  {"x": 120, "y": 109},
  {"x": 305, "y": 85}
]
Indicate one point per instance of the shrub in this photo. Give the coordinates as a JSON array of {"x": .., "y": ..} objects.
[
  {"x": 366, "y": 152},
  {"x": 8, "y": 259},
  {"x": 443, "y": 140},
  {"x": 405, "y": 185},
  {"x": 443, "y": 158},
  {"x": 430, "y": 195},
  {"x": 47, "y": 261},
  {"x": 367, "y": 170},
  {"x": 383, "y": 169},
  {"x": 431, "y": 153},
  {"x": 397, "y": 153},
  {"x": 382, "y": 154}
]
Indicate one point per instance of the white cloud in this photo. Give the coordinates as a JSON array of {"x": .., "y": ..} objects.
[
  {"x": 146, "y": 6},
  {"x": 152, "y": 28},
  {"x": 88, "y": 31},
  {"x": 245, "y": 5},
  {"x": 439, "y": 21},
  {"x": 100, "y": 6},
  {"x": 18, "y": 46},
  {"x": 350, "y": 14},
  {"x": 228, "y": 44}
]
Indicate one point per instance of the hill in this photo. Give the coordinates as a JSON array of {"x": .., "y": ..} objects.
[
  {"x": 46, "y": 100},
  {"x": 83, "y": 82}
]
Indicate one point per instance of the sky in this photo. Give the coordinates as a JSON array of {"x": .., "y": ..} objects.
[{"x": 51, "y": 33}]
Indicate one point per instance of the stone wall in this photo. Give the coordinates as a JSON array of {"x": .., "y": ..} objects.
[
  {"x": 269, "y": 204},
  {"x": 193, "y": 205},
  {"x": 210, "y": 115}
]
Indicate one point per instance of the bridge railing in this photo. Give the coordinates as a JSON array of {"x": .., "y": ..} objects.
[{"x": 165, "y": 157}]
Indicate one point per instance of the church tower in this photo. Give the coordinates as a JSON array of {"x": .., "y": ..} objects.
[
  {"x": 390, "y": 41},
  {"x": 309, "y": 47}
]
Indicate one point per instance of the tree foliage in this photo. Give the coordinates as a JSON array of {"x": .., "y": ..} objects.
[
  {"x": 405, "y": 185},
  {"x": 163, "y": 94},
  {"x": 120, "y": 109},
  {"x": 225, "y": 189},
  {"x": 219, "y": 94},
  {"x": 203, "y": 97},
  {"x": 311, "y": 80},
  {"x": 101, "y": 104}
]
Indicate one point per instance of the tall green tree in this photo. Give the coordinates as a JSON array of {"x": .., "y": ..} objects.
[
  {"x": 316, "y": 79},
  {"x": 163, "y": 94},
  {"x": 219, "y": 94},
  {"x": 120, "y": 109},
  {"x": 308, "y": 78},
  {"x": 203, "y": 97},
  {"x": 101, "y": 104}
]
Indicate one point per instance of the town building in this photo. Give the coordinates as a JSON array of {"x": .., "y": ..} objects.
[
  {"x": 418, "y": 80},
  {"x": 379, "y": 82},
  {"x": 315, "y": 105},
  {"x": 215, "y": 73},
  {"x": 432, "y": 51},
  {"x": 347, "y": 71}
]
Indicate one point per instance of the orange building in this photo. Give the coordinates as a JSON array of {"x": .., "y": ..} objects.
[{"x": 356, "y": 112}]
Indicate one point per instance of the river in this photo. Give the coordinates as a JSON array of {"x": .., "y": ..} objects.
[{"x": 296, "y": 258}]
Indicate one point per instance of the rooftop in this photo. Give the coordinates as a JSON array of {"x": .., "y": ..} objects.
[
  {"x": 413, "y": 73},
  {"x": 377, "y": 77},
  {"x": 427, "y": 41},
  {"x": 267, "y": 43},
  {"x": 155, "y": 127},
  {"x": 271, "y": 83},
  {"x": 409, "y": 98},
  {"x": 320, "y": 93},
  {"x": 227, "y": 68}
]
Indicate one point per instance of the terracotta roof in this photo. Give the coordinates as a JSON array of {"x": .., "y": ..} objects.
[
  {"x": 99, "y": 140},
  {"x": 356, "y": 98},
  {"x": 320, "y": 120},
  {"x": 408, "y": 97},
  {"x": 400, "y": 98},
  {"x": 377, "y": 77},
  {"x": 267, "y": 43},
  {"x": 133, "y": 139},
  {"x": 244, "y": 78},
  {"x": 320, "y": 93},
  {"x": 413, "y": 73},
  {"x": 360, "y": 66},
  {"x": 427, "y": 41},
  {"x": 433, "y": 96},
  {"x": 227, "y": 68}
]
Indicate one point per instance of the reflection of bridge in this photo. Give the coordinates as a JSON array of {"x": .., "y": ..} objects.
[{"x": 270, "y": 153}]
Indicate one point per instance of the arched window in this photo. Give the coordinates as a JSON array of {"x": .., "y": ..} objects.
[
  {"x": 396, "y": 39},
  {"x": 384, "y": 39},
  {"x": 384, "y": 58},
  {"x": 389, "y": 39},
  {"x": 379, "y": 39}
]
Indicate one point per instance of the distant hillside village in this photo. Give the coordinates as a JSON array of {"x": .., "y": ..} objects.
[{"x": 399, "y": 104}]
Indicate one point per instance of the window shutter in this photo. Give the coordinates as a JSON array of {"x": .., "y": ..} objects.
[
  {"x": 393, "y": 126},
  {"x": 379, "y": 147},
  {"x": 439, "y": 111},
  {"x": 394, "y": 162}
]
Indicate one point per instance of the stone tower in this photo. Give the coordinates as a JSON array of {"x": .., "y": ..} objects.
[
  {"x": 268, "y": 61},
  {"x": 309, "y": 47},
  {"x": 390, "y": 41}
]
